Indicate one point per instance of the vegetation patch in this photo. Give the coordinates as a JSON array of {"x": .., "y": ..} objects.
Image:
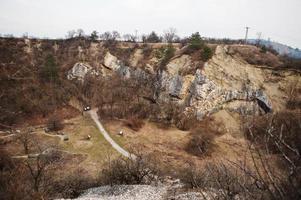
[
  {"x": 202, "y": 138},
  {"x": 164, "y": 54},
  {"x": 141, "y": 170},
  {"x": 134, "y": 123}
]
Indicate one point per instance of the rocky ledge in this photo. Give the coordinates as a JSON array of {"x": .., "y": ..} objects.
[{"x": 125, "y": 192}]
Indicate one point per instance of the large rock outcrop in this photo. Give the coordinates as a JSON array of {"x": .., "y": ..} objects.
[
  {"x": 225, "y": 82},
  {"x": 80, "y": 70}
]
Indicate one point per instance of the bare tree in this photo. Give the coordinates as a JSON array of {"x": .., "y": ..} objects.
[
  {"x": 71, "y": 34},
  {"x": 105, "y": 36},
  {"x": 25, "y": 138},
  {"x": 129, "y": 38},
  {"x": 80, "y": 32},
  {"x": 37, "y": 169},
  {"x": 170, "y": 35},
  {"x": 277, "y": 135},
  {"x": 115, "y": 35}
]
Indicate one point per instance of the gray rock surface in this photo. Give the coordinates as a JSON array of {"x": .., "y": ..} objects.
[
  {"x": 80, "y": 70},
  {"x": 224, "y": 80},
  {"x": 124, "y": 192}
]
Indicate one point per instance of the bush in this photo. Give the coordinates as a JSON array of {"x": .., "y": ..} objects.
[
  {"x": 185, "y": 121},
  {"x": 72, "y": 185},
  {"x": 134, "y": 123},
  {"x": 278, "y": 136},
  {"x": 293, "y": 104},
  {"x": 207, "y": 53},
  {"x": 269, "y": 129},
  {"x": 54, "y": 123},
  {"x": 141, "y": 170},
  {"x": 255, "y": 56},
  {"x": 202, "y": 137},
  {"x": 195, "y": 42},
  {"x": 152, "y": 38},
  {"x": 164, "y": 54},
  {"x": 220, "y": 181},
  {"x": 291, "y": 63},
  {"x": 201, "y": 142},
  {"x": 198, "y": 49},
  {"x": 13, "y": 183}
]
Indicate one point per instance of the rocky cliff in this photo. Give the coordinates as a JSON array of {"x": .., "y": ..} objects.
[{"x": 225, "y": 82}]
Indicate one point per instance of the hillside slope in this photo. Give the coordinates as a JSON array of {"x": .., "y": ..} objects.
[{"x": 226, "y": 81}]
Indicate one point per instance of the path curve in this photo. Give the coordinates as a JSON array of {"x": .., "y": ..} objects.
[{"x": 94, "y": 116}]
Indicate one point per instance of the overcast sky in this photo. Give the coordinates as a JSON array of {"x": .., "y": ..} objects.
[{"x": 279, "y": 20}]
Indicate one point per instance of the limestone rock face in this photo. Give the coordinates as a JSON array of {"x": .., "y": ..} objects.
[
  {"x": 111, "y": 62},
  {"x": 226, "y": 79},
  {"x": 176, "y": 65},
  {"x": 226, "y": 82},
  {"x": 80, "y": 70},
  {"x": 223, "y": 81}
]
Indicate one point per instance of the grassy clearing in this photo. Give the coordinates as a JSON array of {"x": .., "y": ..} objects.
[{"x": 97, "y": 148}]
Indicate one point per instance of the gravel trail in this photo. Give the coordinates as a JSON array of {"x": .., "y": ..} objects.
[{"x": 94, "y": 116}]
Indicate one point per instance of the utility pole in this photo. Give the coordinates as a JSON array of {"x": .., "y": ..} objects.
[
  {"x": 258, "y": 38},
  {"x": 247, "y": 31},
  {"x": 136, "y": 35}
]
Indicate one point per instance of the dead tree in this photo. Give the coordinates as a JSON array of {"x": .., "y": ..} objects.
[{"x": 25, "y": 138}]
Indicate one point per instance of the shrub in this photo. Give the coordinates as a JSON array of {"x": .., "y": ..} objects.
[
  {"x": 220, "y": 181},
  {"x": 207, "y": 53},
  {"x": 277, "y": 136},
  {"x": 164, "y": 54},
  {"x": 152, "y": 38},
  {"x": 123, "y": 54},
  {"x": 54, "y": 123},
  {"x": 274, "y": 130},
  {"x": 141, "y": 170},
  {"x": 293, "y": 104},
  {"x": 184, "y": 121},
  {"x": 291, "y": 63},
  {"x": 255, "y": 56},
  {"x": 195, "y": 42},
  {"x": 202, "y": 137},
  {"x": 134, "y": 123},
  {"x": 13, "y": 183},
  {"x": 72, "y": 185},
  {"x": 201, "y": 142},
  {"x": 263, "y": 49},
  {"x": 198, "y": 49}
]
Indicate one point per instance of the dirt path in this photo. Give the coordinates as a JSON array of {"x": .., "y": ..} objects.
[{"x": 106, "y": 135}]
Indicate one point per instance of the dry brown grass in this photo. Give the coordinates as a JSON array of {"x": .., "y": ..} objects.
[
  {"x": 254, "y": 56},
  {"x": 202, "y": 137},
  {"x": 168, "y": 144}
]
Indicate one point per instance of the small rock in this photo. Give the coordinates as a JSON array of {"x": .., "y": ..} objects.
[
  {"x": 65, "y": 137},
  {"x": 120, "y": 133}
]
